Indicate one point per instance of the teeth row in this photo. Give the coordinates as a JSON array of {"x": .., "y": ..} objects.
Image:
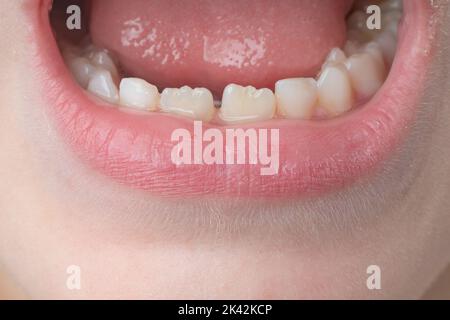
[{"x": 347, "y": 76}]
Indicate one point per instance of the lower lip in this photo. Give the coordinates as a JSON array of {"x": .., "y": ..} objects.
[{"x": 314, "y": 157}]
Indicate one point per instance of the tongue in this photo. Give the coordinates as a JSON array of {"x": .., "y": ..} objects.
[{"x": 211, "y": 43}]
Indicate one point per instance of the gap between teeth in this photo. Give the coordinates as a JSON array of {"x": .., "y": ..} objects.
[{"x": 347, "y": 76}]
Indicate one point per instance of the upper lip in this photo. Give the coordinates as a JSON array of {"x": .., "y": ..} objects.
[{"x": 314, "y": 156}]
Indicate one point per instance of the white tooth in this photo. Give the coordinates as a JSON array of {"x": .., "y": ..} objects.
[
  {"x": 336, "y": 55},
  {"x": 103, "y": 60},
  {"x": 335, "y": 90},
  {"x": 242, "y": 104},
  {"x": 81, "y": 69},
  {"x": 374, "y": 50},
  {"x": 197, "y": 103},
  {"x": 365, "y": 74},
  {"x": 388, "y": 46},
  {"x": 102, "y": 85},
  {"x": 138, "y": 93},
  {"x": 296, "y": 98}
]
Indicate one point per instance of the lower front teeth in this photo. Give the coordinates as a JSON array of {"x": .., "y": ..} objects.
[
  {"x": 139, "y": 94},
  {"x": 350, "y": 75},
  {"x": 296, "y": 98},
  {"x": 247, "y": 104},
  {"x": 197, "y": 104}
]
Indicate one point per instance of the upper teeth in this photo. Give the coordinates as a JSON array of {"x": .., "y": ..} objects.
[{"x": 356, "y": 72}]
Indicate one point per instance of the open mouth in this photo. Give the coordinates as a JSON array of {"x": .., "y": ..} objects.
[{"x": 338, "y": 86}]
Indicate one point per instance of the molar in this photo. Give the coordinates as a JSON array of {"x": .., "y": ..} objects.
[
  {"x": 388, "y": 45},
  {"x": 102, "y": 85},
  {"x": 81, "y": 69},
  {"x": 102, "y": 59}
]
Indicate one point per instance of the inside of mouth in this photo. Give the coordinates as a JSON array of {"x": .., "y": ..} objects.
[{"x": 226, "y": 63}]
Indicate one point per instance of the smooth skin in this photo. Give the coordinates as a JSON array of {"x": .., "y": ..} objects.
[{"x": 55, "y": 212}]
